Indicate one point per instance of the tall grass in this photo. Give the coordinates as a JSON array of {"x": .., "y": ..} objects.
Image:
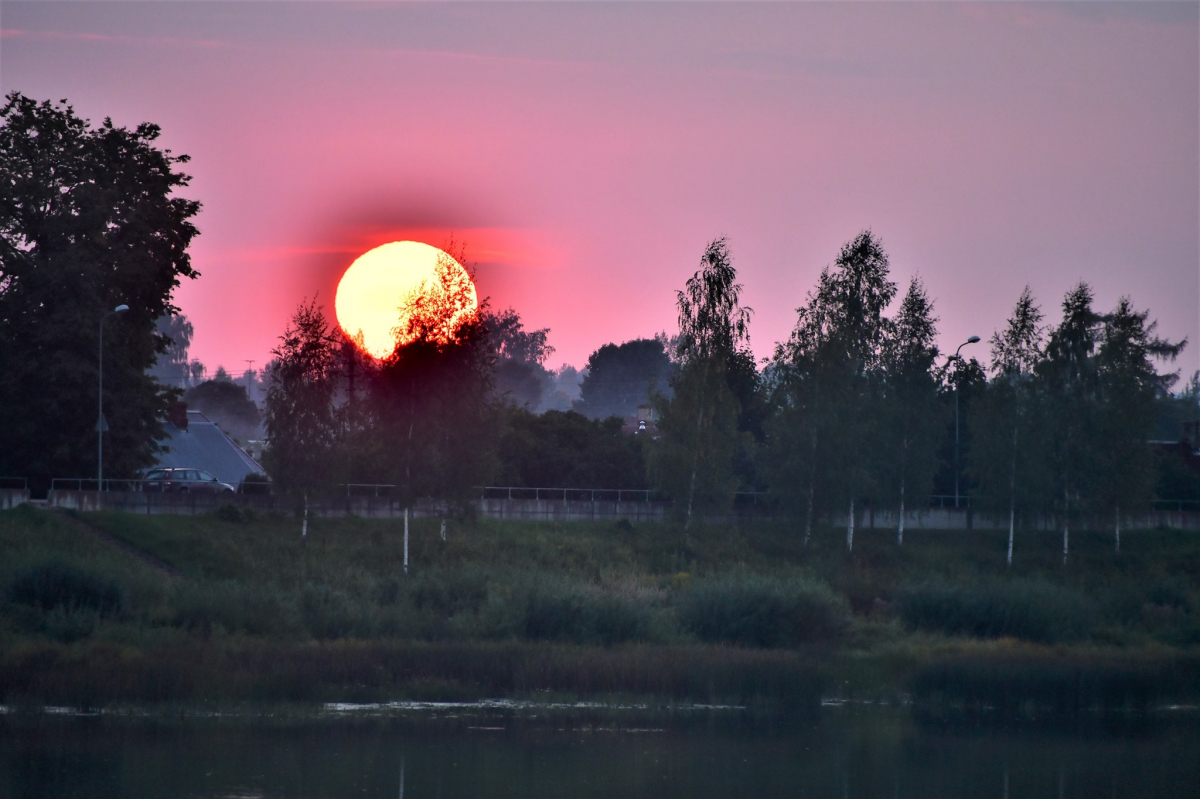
[
  {"x": 562, "y": 604},
  {"x": 1034, "y": 610},
  {"x": 764, "y": 612}
]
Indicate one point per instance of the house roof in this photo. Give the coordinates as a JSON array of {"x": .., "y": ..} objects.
[{"x": 204, "y": 446}]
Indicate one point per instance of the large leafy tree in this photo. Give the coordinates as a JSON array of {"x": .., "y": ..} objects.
[
  {"x": 620, "y": 377},
  {"x": 432, "y": 398},
  {"x": 520, "y": 377},
  {"x": 88, "y": 220},
  {"x": 699, "y": 425}
]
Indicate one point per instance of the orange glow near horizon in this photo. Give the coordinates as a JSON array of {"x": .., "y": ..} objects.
[{"x": 372, "y": 293}]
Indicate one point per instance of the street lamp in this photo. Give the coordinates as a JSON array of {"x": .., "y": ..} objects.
[
  {"x": 101, "y": 426},
  {"x": 971, "y": 340}
]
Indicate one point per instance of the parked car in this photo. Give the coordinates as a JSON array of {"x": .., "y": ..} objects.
[{"x": 182, "y": 481}]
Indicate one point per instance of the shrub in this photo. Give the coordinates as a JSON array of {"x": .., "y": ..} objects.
[
  {"x": 543, "y": 608},
  {"x": 233, "y": 607},
  {"x": 1030, "y": 609},
  {"x": 229, "y": 512},
  {"x": 255, "y": 483},
  {"x": 55, "y": 585},
  {"x": 763, "y": 612}
]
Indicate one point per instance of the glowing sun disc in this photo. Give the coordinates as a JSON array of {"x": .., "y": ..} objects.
[{"x": 373, "y": 290}]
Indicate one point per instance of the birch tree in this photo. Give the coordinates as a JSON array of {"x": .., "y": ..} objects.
[
  {"x": 1069, "y": 379},
  {"x": 1129, "y": 387},
  {"x": 912, "y": 416},
  {"x": 694, "y": 459},
  {"x": 1006, "y": 459},
  {"x": 825, "y": 383}
]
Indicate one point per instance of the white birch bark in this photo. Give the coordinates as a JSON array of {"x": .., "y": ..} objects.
[
  {"x": 304, "y": 524},
  {"x": 850, "y": 528},
  {"x": 406, "y": 542},
  {"x": 1012, "y": 519},
  {"x": 900, "y": 529}
]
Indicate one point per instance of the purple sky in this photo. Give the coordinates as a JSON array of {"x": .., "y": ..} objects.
[{"x": 586, "y": 153}]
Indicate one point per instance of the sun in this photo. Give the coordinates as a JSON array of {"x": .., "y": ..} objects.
[{"x": 373, "y": 292}]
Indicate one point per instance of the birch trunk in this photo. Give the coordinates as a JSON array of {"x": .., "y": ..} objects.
[
  {"x": 696, "y": 453},
  {"x": 1012, "y": 496},
  {"x": 900, "y": 529},
  {"x": 850, "y": 528},
  {"x": 1066, "y": 523},
  {"x": 1012, "y": 518},
  {"x": 304, "y": 524},
  {"x": 406, "y": 542}
]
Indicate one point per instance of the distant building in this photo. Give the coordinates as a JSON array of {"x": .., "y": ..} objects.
[
  {"x": 192, "y": 441},
  {"x": 645, "y": 423}
]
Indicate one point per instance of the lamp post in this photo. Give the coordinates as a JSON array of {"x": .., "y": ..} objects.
[
  {"x": 100, "y": 425},
  {"x": 958, "y": 358}
]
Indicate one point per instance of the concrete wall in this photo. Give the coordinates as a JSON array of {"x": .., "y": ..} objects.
[
  {"x": 12, "y": 497},
  {"x": 539, "y": 510}
]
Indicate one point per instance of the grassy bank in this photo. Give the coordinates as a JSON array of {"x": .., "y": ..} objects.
[{"x": 230, "y": 608}]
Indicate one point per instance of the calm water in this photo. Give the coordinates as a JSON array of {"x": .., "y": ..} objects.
[{"x": 458, "y": 752}]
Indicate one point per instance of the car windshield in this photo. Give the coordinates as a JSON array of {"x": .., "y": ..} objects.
[
  {"x": 157, "y": 474},
  {"x": 206, "y": 477}
]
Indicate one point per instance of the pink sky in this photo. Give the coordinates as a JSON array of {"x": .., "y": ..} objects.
[{"x": 586, "y": 153}]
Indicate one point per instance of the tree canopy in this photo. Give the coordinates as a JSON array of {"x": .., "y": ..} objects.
[{"x": 89, "y": 220}]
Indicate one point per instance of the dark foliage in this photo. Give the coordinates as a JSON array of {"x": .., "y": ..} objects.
[
  {"x": 764, "y": 612},
  {"x": 228, "y": 405},
  {"x": 1029, "y": 609},
  {"x": 89, "y": 220},
  {"x": 620, "y": 377},
  {"x": 568, "y": 450},
  {"x": 56, "y": 585}
]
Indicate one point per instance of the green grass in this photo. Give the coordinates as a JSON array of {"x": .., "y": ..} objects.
[{"x": 749, "y": 608}]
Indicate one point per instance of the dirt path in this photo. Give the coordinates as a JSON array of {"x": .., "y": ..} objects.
[{"x": 140, "y": 554}]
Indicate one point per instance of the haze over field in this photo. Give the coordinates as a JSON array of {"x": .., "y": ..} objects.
[{"x": 586, "y": 153}]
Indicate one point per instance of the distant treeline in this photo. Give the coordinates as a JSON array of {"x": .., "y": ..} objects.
[{"x": 857, "y": 408}]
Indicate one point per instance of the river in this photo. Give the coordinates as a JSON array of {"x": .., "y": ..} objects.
[{"x": 445, "y": 751}]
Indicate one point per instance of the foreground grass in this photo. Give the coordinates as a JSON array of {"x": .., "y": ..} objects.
[{"x": 741, "y": 614}]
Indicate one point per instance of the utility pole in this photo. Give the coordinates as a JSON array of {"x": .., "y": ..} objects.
[
  {"x": 958, "y": 365},
  {"x": 101, "y": 424},
  {"x": 250, "y": 379}
]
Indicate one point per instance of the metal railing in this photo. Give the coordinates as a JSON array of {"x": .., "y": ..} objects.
[
  {"x": 90, "y": 484},
  {"x": 571, "y": 494},
  {"x": 1176, "y": 504},
  {"x": 367, "y": 489},
  {"x": 14, "y": 482}
]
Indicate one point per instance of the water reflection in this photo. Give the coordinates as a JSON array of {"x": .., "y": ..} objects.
[{"x": 842, "y": 752}]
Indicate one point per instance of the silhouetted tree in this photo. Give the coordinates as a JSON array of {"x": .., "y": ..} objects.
[
  {"x": 569, "y": 450},
  {"x": 620, "y": 377},
  {"x": 432, "y": 398},
  {"x": 171, "y": 367},
  {"x": 1069, "y": 380},
  {"x": 520, "y": 377},
  {"x": 299, "y": 416},
  {"x": 1007, "y": 458},
  {"x": 88, "y": 220},
  {"x": 826, "y": 382},
  {"x": 1129, "y": 390},
  {"x": 694, "y": 458},
  {"x": 912, "y": 418}
]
